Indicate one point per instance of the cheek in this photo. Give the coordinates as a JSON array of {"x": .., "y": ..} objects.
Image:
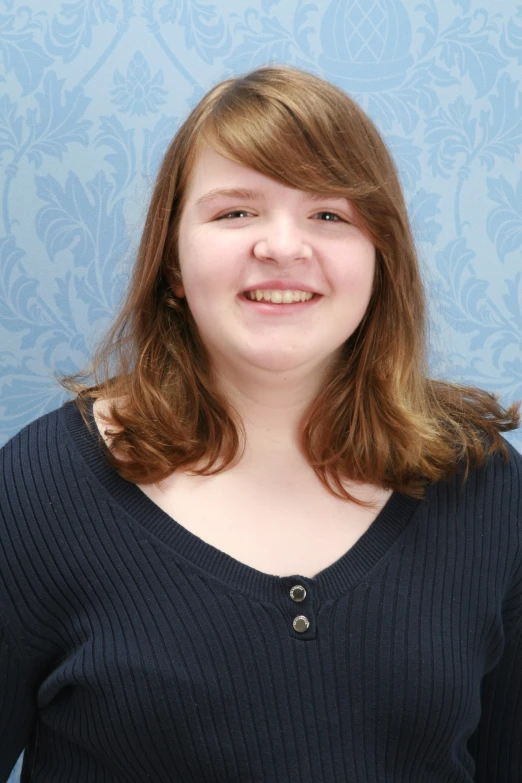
[
  {"x": 357, "y": 270},
  {"x": 197, "y": 262},
  {"x": 207, "y": 259}
]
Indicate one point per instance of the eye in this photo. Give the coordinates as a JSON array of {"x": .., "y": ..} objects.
[
  {"x": 235, "y": 213},
  {"x": 331, "y": 217}
]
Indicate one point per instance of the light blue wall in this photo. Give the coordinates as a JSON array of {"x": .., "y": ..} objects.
[{"x": 93, "y": 90}]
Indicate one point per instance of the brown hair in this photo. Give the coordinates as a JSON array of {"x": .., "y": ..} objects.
[{"x": 378, "y": 418}]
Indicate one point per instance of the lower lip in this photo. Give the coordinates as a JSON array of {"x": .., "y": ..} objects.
[{"x": 269, "y": 308}]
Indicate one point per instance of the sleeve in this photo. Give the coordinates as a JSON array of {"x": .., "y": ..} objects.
[
  {"x": 496, "y": 745},
  {"x": 17, "y": 710}
]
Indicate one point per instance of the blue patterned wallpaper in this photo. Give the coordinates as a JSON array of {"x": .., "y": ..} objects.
[{"x": 93, "y": 90}]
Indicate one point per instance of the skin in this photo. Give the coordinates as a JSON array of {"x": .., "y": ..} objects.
[{"x": 270, "y": 366}]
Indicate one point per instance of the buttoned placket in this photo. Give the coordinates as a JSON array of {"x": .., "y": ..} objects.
[{"x": 299, "y": 607}]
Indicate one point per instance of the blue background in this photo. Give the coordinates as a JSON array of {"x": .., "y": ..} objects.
[{"x": 91, "y": 92}]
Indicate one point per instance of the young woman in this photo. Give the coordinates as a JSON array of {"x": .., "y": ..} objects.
[{"x": 265, "y": 546}]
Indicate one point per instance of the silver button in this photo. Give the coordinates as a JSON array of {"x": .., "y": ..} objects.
[
  {"x": 301, "y": 623},
  {"x": 298, "y": 593}
]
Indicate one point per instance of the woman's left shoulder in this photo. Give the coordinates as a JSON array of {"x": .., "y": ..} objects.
[
  {"x": 495, "y": 490},
  {"x": 500, "y": 471},
  {"x": 504, "y": 464},
  {"x": 491, "y": 490}
]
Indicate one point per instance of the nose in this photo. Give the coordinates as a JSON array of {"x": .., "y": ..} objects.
[{"x": 281, "y": 239}]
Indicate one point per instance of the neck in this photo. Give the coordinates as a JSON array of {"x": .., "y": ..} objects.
[{"x": 271, "y": 405}]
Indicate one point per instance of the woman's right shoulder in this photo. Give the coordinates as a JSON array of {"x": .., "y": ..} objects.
[
  {"x": 50, "y": 503},
  {"x": 41, "y": 475},
  {"x": 35, "y": 434},
  {"x": 33, "y": 459},
  {"x": 49, "y": 487},
  {"x": 43, "y": 453}
]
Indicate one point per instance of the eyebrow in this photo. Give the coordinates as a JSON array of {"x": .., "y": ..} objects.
[
  {"x": 229, "y": 192},
  {"x": 247, "y": 194}
]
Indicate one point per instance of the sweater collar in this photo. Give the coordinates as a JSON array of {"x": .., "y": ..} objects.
[{"x": 377, "y": 544}]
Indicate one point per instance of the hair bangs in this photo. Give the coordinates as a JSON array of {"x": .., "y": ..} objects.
[{"x": 277, "y": 138}]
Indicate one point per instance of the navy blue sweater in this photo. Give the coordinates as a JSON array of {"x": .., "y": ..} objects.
[{"x": 131, "y": 650}]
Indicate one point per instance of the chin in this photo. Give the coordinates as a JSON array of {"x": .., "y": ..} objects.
[{"x": 277, "y": 361}]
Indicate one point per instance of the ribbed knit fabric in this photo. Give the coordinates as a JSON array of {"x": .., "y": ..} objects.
[{"x": 131, "y": 650}]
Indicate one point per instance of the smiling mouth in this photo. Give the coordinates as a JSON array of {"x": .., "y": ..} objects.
[{"x": 278, "y": 298}]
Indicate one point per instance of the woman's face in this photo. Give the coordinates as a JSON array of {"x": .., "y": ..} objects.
[{"x": 229, "y": 243}]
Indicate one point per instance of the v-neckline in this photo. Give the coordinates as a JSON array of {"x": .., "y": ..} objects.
[{"x": 333, "y": 581}]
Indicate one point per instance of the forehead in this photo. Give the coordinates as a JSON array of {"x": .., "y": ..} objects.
[
  {"x": 212, "y": 169},
  {"x": 214, "y": 176}
]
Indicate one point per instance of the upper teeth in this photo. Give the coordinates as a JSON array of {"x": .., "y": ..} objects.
[{"x": 279, "y": 297}]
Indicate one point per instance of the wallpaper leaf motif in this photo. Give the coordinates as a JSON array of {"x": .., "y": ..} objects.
[
  {"x": 472, "y": 52},
  {"x": 422, "y": 207},
  {"x": 502, "y": 125},
  {"x": 504, "y": 223},
  {"x": 22, "y": 310},
  {"x": 156, "y": 142},
  {"x": 123, "y": 160},
  {"x": 467, "y": 305},
  {"x": 430, "y": 29},
  {"x": 511, "y": 38},
  {"x": 21, "y": 400},
  {"x": 58, "y": 122},
  {"x": 407, "y": 158},
  {"x": 205, "y": 30},
  {"x": 265, "y": 39},
  {"x": 11, "y": 126},
  {"x": 84, "y": 221},
  {"x": 405, "y": 103},
  {"x": 66, "y": 39},
  {"x": 449, "y": 134},
  {"x": 464, "y": 4},
  {"x": 20, "y": 52},
  {"x": 513, "y": 300}
]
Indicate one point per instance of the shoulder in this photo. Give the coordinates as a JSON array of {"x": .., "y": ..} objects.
[
  {"x": 503, "y": 471},
  {"x": 35, "y": 467},
  {"x": 474, "y": 521},
  {"x": 513, "y": 451},
  {"x": 51, "y": 521},
  {"x": 501, "y": 465},
  {"x": 504, "y": 482},
  {"x": 483, "y": 507},
  {"x": 495, "y": 486},
  {"x": 33, "y": 446},
  {"x": 488, "y": 504},
  {"x": 42, "y": 470},
  {"x": 38, "y": 476}
]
